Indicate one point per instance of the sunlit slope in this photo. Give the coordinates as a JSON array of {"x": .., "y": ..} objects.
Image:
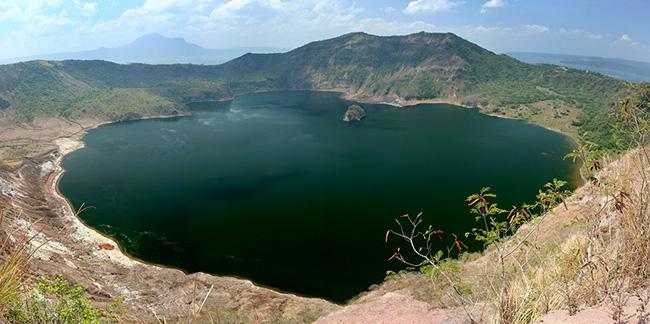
[{"x": 422, "y": 66}]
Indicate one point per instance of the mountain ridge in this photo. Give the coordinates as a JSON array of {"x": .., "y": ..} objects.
[
  {"x": 440, "y": 67},
  {"x": 150, "y": 49},
  {"x": 403, "y": 70}
]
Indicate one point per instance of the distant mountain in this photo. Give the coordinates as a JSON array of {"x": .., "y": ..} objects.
[
  {"x": 633, "y": 71},
  {"x": 152, "y": 49},
  {"x": 432, "y": 67},
  {"x": 422, "y": 66}
]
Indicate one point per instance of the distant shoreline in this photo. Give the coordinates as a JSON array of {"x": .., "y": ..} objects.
[
  {"x": 75, "y": 142},
  {"x": 403, "y": 103}
]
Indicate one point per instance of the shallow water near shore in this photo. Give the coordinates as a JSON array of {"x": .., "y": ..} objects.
[{"x": 276, "y": 188}]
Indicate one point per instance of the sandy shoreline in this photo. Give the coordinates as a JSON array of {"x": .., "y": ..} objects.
[
  {"x": 81, "y": 230},
  {"x": 68, "y": 145}
]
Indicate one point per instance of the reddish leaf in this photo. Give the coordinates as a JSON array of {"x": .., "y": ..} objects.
[{"x": 473, "y": 202}]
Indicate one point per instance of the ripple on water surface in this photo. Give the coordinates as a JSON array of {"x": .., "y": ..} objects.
[{"x": 275, "y": 188}]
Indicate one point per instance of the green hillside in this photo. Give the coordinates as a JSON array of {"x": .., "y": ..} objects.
[
  {"x": 401, "y": 69},
  {"x": 443, "y": 67}
]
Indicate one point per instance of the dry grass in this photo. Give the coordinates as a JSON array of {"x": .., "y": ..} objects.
[
  {"x": 15, "y": 253},
  {"x": 593, "y": 248}
]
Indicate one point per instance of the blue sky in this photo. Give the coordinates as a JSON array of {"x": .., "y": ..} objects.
[{"x": 608, "y": 28}]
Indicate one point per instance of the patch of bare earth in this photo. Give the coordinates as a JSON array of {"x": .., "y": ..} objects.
[
  {"x": 634, "y": 310},
  {"x": 392, "y": 308},
  {"x": 38, "y": 136}
]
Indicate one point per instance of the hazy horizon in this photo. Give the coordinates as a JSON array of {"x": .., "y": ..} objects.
[{"x": 601, "y": 28}]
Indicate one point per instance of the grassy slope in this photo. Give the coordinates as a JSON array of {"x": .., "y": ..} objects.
[
  {"x": 590, "y": 250},
  {"x": 592, "y": 253},
  {"x": 416, "y": 67}
]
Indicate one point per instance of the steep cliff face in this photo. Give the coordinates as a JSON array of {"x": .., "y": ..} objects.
[{"x": 83, "y": 256}]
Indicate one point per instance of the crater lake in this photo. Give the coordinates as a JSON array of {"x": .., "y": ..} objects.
[{"x": 276, "y": 188}]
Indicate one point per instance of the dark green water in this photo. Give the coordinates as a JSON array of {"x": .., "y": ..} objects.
[{"x": 275, "y": 188}]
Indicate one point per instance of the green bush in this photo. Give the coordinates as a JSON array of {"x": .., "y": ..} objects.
[{"x": 55, "y": 301}]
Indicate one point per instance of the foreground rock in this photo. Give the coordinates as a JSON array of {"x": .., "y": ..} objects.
[
  {"x": 153, "y": 293},
  {"x": 392, "y": 308},
  {"x": 354, "y": 113},
  {"x": 633, "y": 311}
]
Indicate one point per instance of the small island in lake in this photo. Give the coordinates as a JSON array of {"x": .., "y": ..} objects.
[{"x": 354, "y": 113}]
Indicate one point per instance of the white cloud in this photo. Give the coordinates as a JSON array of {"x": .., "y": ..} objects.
[
  {"x": 15, "y": 13},
  {"x": 47, "y": 24},
  {"x": 626, "y": 38},
  {"x": 430, "y": 6},
  {"x": 233, "y": 23},
  {"x": 87, "y": 9},
  {"x": 382, "y": 27},
  {"x": 25, "y": 10},
  {"x": 483, "y": 29},
  {"x": 492, "y": 4},
  {"x": 36, "y": 19},
  {"x": 235, "y": 9},
  {"x": 14, "y": 39},
  {"x": 230, "y": 8},
  {"x": 537, "y": 38},
  {"x": 536, "y": 28},
  {"x": 580, "y": 33}
]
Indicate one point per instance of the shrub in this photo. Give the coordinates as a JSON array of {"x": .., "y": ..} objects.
[{"x": 55, "y": 301}]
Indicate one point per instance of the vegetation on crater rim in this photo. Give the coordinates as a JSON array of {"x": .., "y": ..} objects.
[
  {"x": 412, "y": 68},
  {"x": 415, "y": 67}
]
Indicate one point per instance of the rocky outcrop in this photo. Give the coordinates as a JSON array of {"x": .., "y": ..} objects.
[{"x": 354, "y": 113}]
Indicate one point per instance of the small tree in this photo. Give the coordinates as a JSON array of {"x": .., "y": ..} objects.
[{"x": 496, "y": 233}]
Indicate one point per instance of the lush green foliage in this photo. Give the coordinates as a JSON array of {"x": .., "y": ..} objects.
[{"x": 497, "y": 227}]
